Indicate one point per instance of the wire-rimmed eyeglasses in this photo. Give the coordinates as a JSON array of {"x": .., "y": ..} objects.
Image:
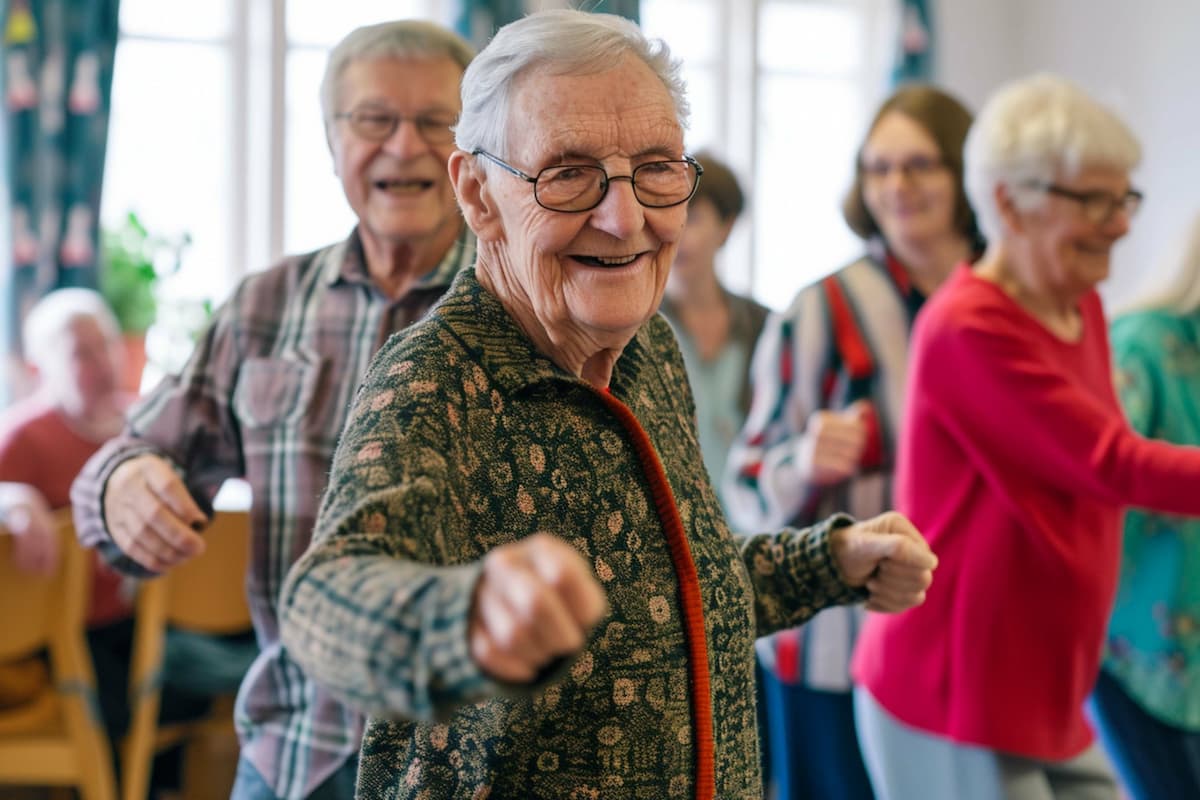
[
  {"x": 376, "y": 125},
  {"x": 1099, "y": 206},
  {"x": 573, "y": 188}
]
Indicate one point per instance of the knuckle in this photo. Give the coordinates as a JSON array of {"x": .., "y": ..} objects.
[{"x": 539, "y": 604}]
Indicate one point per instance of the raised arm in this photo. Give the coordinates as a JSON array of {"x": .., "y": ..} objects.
[
  {"x": 1004, "y": 398},
  {"x": 790, "y": 448},
  {"x": 796, "y": 573},
  {"x": 395, "y": 608}
]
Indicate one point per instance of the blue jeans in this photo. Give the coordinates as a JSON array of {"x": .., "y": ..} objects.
[{"x": 250, "y": 785}]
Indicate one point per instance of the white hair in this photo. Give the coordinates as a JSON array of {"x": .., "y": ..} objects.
[
  {"x": 53, "y": 315},
  {"x": 1182, "y": 295},
  {"x": 1036, "y": 130},
  {"x": 408, "y": 38},
  {"x": 565, "y": 42}
]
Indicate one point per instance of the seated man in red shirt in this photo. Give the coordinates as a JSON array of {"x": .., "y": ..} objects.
[{"x": 72, "y": 341}]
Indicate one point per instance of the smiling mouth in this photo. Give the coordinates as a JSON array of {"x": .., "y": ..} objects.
[
  {"x": 403, "y": 187},
  {"x": 606, "y": 262}
]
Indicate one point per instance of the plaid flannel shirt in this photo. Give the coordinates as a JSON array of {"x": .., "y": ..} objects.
[{"x": 265, "y": 397}]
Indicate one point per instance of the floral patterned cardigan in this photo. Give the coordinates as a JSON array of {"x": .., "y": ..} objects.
[{"x": 463, "y": 438}]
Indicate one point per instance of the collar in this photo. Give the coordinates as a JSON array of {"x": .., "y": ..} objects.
[
  {"x": 509, "y": 357},
  {"x": 346, "y": 261}
]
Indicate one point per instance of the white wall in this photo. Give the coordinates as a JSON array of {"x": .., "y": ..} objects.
[{"x": 1140, "y": 58}]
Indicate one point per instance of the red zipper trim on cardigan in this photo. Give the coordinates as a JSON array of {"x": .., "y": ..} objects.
[{"x": 689, "y": 594}]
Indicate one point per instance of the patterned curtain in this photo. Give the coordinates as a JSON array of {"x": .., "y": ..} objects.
[
  {"x": 914, "y": 53},
  {"x": 479, "y": 19},
  {"x": 56, "y": 77}
]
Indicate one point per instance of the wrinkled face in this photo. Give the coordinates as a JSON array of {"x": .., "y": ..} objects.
[
  {"x": 905, "y": 185},
  {"x": 82, "y": 372},
  {"x": 703, "y": 236},
  {"x": 597, "y": 274},
  {"x": 1059, "y": 248},
  {"x": 398, "y": 187}
]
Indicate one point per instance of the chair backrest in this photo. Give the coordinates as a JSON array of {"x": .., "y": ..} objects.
[
  {"x": 208, "y": 593},
  {"x": 67, "y": 747},
  {"x": 30, "y": 605},
  {"x": 204, "y": 595}
]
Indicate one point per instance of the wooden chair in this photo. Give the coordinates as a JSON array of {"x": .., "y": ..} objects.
[
  {"x": 57, "y": 738},
  {"x": 205, "y": 595}
]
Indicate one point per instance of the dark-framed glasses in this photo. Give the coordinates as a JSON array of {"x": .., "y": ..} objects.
[
  {"x": 914, "y": 168},
  {"x": 377, "y": 124},
  {"x": 1098, "y": 207},
  {"x": 573, "y": 188}
]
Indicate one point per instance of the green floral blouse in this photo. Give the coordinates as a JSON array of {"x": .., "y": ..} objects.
[
  {"x": 463, "y": 437},
  {"x": 1153, "y": 645}
]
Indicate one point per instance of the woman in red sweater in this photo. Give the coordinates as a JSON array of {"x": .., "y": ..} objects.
[{"x": 1015, "y": 461}]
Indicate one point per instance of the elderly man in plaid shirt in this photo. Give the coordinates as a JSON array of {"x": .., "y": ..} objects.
[{"x": 267, "y": 391}]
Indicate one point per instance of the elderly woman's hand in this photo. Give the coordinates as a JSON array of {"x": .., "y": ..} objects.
[
  {"x": 536, "y": 601},
  {"x": 889, "y": 556}
]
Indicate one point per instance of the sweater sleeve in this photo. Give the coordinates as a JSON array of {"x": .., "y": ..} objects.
[
  {"x": 794, "y": 575},
  {"x": 388, "y": 635},
  {"x": 1016, "y": 410},
  {"x": 377, "y": 610}
]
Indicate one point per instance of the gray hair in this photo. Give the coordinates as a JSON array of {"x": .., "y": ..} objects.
[
  {"x": 408, "y": 38},
  {"x": 53, "y": 315},
  {"x": 1036, "y": 130},
  {"x": 1182, "y": 294},
  {"x": 566, "y": 42}
]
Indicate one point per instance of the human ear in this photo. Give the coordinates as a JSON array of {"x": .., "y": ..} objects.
[
  {"x": 469, "y": 178},
  {"x": 1010, "y": 214}
]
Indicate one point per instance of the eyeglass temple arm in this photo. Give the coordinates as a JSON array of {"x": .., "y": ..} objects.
[{"x": 479, "y": 151}]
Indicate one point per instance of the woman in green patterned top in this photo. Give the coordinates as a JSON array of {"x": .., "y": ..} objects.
[
  {"x": 520, "y": 569},
  {"x": 1147, "y": 699}
]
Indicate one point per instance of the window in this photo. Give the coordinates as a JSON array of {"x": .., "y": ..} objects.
[
  {"x": 315, "y": 210},
  {"x": 216, "y": 129},
  {"x": 171, "y": 131},
  {"x": 781, "y": 90}
]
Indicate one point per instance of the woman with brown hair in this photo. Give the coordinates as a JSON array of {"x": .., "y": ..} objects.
[{"x": 828, "y": 382}]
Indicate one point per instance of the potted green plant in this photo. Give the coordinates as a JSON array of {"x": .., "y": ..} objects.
[{"x": 132, "y": 262}]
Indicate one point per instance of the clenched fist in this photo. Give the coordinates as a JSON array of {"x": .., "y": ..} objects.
[
  {"x": 832, "y": 444},
  {"x": 535, "y": 601},
  {"x": 888, "y": 556}
]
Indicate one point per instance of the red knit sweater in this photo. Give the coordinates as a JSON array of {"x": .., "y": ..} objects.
[{"x": 1015, "y": 462}]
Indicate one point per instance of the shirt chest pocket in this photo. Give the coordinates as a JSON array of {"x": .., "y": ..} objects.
[{"x": 275, "y": 392}]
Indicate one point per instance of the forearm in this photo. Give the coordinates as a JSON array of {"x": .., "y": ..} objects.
[
  {"x": 187, "y": 422},
  {"x": 387, "y": 635},
  {"x": 794, "y": 574}
]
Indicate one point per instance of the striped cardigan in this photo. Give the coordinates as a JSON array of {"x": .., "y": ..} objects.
[{"x": 797, "y": 370}]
